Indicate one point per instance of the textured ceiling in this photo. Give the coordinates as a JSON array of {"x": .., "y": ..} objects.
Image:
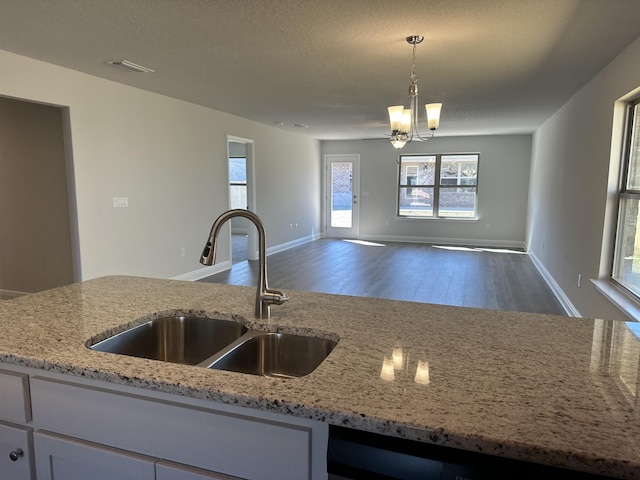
[{"x": 499, "y": 66}]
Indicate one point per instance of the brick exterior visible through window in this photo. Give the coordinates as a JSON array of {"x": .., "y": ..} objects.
[{"x": 438, "y": 185}]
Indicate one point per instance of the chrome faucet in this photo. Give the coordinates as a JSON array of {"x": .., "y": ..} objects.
[{"x": 265, "y": 296}]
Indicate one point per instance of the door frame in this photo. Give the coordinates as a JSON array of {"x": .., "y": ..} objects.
[{"x": 341, "y": 232}]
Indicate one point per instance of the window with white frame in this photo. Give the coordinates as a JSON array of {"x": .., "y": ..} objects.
[
  {"x": 238, "y": 182},
  {"x": 626, "y": 261},
  {"x": 438, "y": 186}
]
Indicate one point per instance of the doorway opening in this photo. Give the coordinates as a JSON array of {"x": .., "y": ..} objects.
[
  {"x": 243, "y": 236},
  {"x": 37, "y": 188}
]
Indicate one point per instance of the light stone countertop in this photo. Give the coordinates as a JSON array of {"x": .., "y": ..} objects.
[{"x": 540, "y": 388}]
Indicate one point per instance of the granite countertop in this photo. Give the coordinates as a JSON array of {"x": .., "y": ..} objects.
[{"x": 533, "y": 387}]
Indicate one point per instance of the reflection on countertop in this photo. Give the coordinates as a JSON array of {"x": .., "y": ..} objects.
[
  {"x": 400, "y": 365},
  {"x": 615, "y": 360}
]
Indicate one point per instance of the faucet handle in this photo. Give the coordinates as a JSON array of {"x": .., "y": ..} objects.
[{"x": 274, "y": 297}]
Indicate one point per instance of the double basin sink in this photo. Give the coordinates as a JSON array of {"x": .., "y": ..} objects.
[{"x": 221, "y": 345}]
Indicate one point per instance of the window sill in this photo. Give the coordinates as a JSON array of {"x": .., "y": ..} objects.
[
  {"x": 442, "y": 219},
  {"x": 628, "y": 304}
]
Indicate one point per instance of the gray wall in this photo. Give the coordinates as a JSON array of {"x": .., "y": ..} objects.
[
  {"x": 35, "y": 243},
  {"x": 503, "y": 179},
  {"x": 573, "y": 185},
  {"x": 169, "y": 157}
]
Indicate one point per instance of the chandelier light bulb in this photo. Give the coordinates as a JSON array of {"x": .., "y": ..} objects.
[
  {"x": 405, "y": 122},
  {"x": 396, "y": 114},
  {"x": 433, "y": 115}
]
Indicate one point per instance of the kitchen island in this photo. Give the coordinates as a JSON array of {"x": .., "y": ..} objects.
[{"x": 538, "y": 388}]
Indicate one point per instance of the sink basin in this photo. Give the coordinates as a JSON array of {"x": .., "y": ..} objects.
[
  {"x": 275, "y": 355},
  {"x": 175, "y": 339},
  {"x": 220, "y": 345}
]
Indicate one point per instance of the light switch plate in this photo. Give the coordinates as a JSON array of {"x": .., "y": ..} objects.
[{"x": 120, "y": 202}]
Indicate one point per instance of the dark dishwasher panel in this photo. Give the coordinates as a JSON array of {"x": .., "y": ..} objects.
[{"x": 359, "y": 455}]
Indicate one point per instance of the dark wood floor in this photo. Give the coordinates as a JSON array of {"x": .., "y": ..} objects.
[{"x": 484, "y": 278}]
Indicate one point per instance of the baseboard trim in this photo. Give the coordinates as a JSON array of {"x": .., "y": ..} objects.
[
  {"x": 201, "y": 273},
  {"x": 11, "y": 293},
  {"x": 293, "y": 243},
  {"x": 568, "y": 306},
  {"x": 204, "y": 272},
  {"x": 467, "y": 242}
]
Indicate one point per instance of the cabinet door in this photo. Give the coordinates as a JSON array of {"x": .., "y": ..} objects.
[
  {"x": 64, "y": 458},
  {"x": 13, "y": 464},
  {"x": 15, "y": 405},
  {"x": 174, "y": 471}
]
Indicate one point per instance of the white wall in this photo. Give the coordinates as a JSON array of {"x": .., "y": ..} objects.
[
  {"x": 569, "y": 185},
  {"x": 503, "y": 179},
  {"x": 169, "y": 158}
]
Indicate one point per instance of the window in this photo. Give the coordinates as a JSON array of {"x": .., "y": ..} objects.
[
  {"x": 438, "y": 186},
  {"x": 238, "y": 182},
  {"x": 626, "y": 263}
]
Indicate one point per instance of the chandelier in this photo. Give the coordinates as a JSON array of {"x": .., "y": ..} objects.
[{"x": 404, "y": 122}]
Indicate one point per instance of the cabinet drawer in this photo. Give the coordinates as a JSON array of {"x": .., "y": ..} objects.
[
  {"x": 15, "y": 397},
  {"x": 15, "y": 440},
  {"x": 68, "y": 459},
  {"x": 230, "y": 443},
  {"x": 172, "y": 471}
]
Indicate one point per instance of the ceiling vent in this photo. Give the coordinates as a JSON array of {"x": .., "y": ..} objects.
[{"x": 130, "y": 66}]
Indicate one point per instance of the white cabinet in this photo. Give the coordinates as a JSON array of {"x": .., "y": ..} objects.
[
  {"x": 172, "y": 471},
  {"x": 15, "y": 453},
  {"x": 239, "y": 442},
  {"x": 59, "y": 427},
  {"x": 63, "y": 458},
  {"x": 15, "y": 405},
  {"x": 16, "y": 442}
]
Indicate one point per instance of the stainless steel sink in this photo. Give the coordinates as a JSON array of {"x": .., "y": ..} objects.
[
  {"x": 274, "y": 354},
  {"x": 175, "y": 339},
  {"x": 220, "y": 345}
]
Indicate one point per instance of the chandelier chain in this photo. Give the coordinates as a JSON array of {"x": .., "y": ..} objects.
[{"x": 413, "y": 78}]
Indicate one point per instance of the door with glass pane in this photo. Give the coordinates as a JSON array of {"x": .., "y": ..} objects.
[{"x": 342, "y": 198}]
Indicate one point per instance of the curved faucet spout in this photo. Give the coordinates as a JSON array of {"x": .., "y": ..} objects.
[{"x": 265, "y": 296}]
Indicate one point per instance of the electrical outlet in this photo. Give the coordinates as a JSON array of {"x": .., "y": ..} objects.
[
  {"x": 296, "y": 226},
  {"x": 488, "y": 226},
  {"x": 291, "y": 226},
  {"x": 183, "y": 252}
]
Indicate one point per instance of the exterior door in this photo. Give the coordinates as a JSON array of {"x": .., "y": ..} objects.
[{"x": 342, "y": 200}]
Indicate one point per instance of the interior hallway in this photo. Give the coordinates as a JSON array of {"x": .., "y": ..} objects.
[{"x": 497, "y": 279}]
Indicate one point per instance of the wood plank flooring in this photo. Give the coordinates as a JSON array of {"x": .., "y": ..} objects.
[{"x": 496, "y": 279}]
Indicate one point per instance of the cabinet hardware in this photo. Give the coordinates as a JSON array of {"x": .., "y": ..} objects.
[{"x": 16, "y": 454}]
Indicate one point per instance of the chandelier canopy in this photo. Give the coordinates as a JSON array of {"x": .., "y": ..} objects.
[{"x": 404, "y": 121}]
